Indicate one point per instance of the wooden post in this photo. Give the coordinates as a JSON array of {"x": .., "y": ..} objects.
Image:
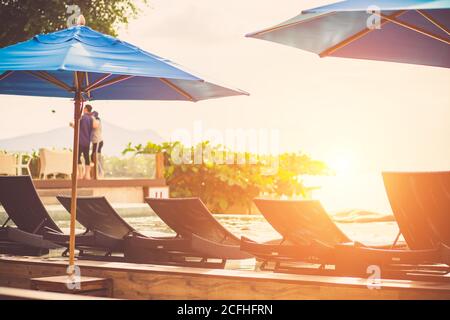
[
  {"x": 159, "y": 163},
  {"x": 73, "y": 205}
]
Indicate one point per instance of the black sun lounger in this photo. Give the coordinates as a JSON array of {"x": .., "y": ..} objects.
[
  {"x": 96, "y": 213},
  {"x": 35, "y": 228},
  {"x": 190, "y": 218},
  {"x": 31, "y": 221},
  {"x": 310, "y": 236},
  {"x": 17, "y": 242}
]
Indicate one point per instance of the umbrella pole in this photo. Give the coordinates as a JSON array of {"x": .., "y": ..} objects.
[{"x": 73, "y": 205}]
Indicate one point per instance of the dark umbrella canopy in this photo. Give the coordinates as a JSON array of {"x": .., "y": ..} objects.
[
  {"x": 83, "y": 64},
  {"x": 410, "y": 31}
]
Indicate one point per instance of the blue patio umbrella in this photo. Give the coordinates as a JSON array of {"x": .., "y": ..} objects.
[
  {"x": 407, "y": 31},
  {"x": 84, "y": 64}
]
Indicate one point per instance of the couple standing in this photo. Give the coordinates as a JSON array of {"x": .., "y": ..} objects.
[{"x": 90, "y": 132}]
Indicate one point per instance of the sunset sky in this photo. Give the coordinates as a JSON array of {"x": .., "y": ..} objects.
[{"x": 362, "y": 117}]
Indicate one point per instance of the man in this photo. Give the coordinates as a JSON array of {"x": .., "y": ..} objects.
[{"x": 86, "y": 126}]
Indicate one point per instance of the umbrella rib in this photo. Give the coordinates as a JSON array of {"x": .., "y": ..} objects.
[
  {"x": 96, "y": 82},
  {"x": 87, "y": 85},
  {"x": 260, "y": 33},
  {"x": 177, "y": 89},
  {"x": 49, "y": 78},
  {"x": 354, "y": 37},
  {"x": 110, "y": 82},
  {"x": 55, "y": 80},
  {"x": 5, "y": 75},
  {"x": 433, "y": 21},
  {"x": 414, "y": 28}
]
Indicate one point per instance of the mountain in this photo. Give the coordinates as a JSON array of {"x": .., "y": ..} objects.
[{"x": 115, "y": 139}]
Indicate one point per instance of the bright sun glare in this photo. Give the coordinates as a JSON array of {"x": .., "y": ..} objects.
[{"x": 342, "y": 164}]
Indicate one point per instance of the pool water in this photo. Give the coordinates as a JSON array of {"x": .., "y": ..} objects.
[{"x": 257, "y": 228}]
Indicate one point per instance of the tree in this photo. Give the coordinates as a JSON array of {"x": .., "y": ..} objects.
[
  {"x": 22, "y": 19},
  {"x": 222, "y": 186}
]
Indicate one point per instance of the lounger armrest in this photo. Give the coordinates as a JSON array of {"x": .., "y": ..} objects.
[
  {"x": 93, "y": 239},
  {"x": 305, "y": 253},
  {"x": 165, "y": 244},
  {"x": 56, "y": 237},
  {"x": 445, "y": 254},
  {"x": 247, "y": 240},
  {"x": 218, "y": 250},
  {"x": 48, "y": 229},
  {"x": 380, "y": 246},
  {"x": 30, "y": 239},
  {"x": 102, "y": 240},
  {"x": 367, "y": 255}
]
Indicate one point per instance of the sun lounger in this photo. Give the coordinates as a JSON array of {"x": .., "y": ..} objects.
[
  {"x": 96, "y": 213},
  {"x": 310, "y": 236},
  {"x": 34, "y": 226},
  {"x": 421, "y": 205},
  {"x": 17, "y": 242},
  {"x": 190, "y": 218},
  {"x": 31, "y": 221}
]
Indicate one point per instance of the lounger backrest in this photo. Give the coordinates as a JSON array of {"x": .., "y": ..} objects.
[
  {"x": 97, "y": 214},
  {"x": 421, "y": 205},
  {"x": 301, "y": 221},
  {"x": 21, "y": 202},
  {"x": 188, "y": 216}
]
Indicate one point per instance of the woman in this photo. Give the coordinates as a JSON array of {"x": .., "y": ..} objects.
[{"x": 97, "y": 143}]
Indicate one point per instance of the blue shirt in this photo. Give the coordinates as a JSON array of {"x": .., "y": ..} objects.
[{"x": 86, "y": 123}]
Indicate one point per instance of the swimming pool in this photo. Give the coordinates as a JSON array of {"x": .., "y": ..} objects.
[{"x": 257, "y": 228}]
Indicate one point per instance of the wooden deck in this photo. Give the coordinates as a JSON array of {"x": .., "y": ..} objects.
[
  {"x": 24, "y": 294},
  {"x": 137, "y": 281}
]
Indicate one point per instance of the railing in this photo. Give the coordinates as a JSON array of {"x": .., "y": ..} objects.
[
  {"x": 13, "y": 164},
  {"x": 136, "y": 167}
]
